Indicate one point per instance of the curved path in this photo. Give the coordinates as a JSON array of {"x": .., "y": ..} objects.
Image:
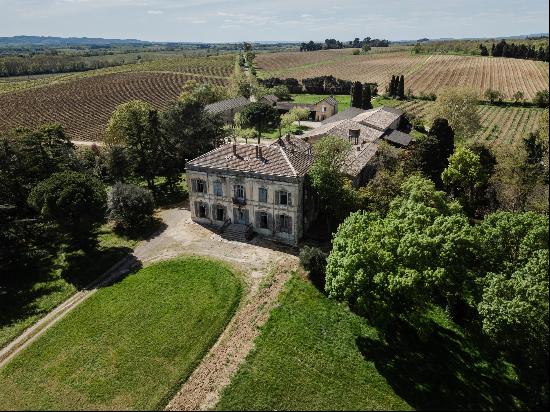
[{"x": 263, "y": 266}]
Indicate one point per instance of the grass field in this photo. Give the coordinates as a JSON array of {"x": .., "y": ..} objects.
[
  {"x": 344, "y": 100},
  {"x": 307, "y": 359},
  {"x": 72, "y": 270},
  {"x": 423, "y": 73},
  {"x": 130, "y": 345},
  {"x": 313, "y": 354}
]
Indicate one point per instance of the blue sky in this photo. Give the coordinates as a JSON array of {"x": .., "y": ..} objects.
[{"x": 224, "y": 20}]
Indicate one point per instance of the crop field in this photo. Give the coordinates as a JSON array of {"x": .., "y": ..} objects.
[
  {"x": 423, "y": 73},
  {"x": 83, "y": 106},
  {"x": 499, "y": 125}
]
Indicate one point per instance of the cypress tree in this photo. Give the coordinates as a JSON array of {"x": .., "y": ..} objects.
[
  {"x": 401, "y": 88},
  {"x": 356, "y": 95},
  {"x": 366, "y": 103},
  {"x": 392, "y": 87}
]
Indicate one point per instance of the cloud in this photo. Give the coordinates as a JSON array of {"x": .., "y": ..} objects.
[
  {"x": 155, "y": 12},
  {"x": 198, "y": 21}
]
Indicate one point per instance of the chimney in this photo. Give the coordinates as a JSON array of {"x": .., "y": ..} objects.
[
  {"x": 234, "y": 149},
  {"x": 353, "y": 135}
]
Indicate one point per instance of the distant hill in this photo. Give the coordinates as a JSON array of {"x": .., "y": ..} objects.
[{"x": 65, "y": 41}]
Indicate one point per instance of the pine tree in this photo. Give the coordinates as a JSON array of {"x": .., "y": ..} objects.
[
  {"x": 401, "y": 88},
  {"x": 356, "y": 95},
  {"x": 366, "y": 101}
]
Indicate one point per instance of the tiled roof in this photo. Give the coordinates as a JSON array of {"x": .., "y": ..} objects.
[
  {"x": 345, "y": 114},
  {"x": 361, "y": 153},
  {"x": 270, "y": 98},
  {"x": 228, "y": 104},
  {"x": 330, "y": 100},
  {"x": 380, "y": 118},
  {"x": 398, "y": 138},
  {"x": 292, "y": 105},
  {"x": 274, "y": 160}
]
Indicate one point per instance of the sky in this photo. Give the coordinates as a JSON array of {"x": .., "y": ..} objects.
[{"x": 276, "y": 20}]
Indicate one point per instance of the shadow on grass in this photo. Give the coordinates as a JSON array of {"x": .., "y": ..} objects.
[{"x": 446, "y": 371}]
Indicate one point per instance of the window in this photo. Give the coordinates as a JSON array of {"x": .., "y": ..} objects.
[
  {"x": 285, "y": 198},
  {"x": 262, "y": 196},
  {"x": 239, "y": 191},
  {"x": 202, "y": 210},
  {"x": 200, "y": 186},
  {"x": 285, "y": 224},
  {"x": 263, "y": 220},
  {"x": 324, "y": 109},
  {"x": 218, "y": 191},
  {"x": 220, "y": 213}
]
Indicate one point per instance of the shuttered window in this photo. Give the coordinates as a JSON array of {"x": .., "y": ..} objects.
[
  {"x": 284, "y": 224},
  {"x": 262, "y": 194},
  {"x": 218, "y": 191}
]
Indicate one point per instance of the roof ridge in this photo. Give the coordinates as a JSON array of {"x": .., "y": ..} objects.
[{"x": 288, "y": 161}]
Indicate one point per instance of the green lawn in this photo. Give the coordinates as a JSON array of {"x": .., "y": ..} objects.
[
  {"x": 314, "y": 354},
  {"x": 344, "y": 100},
  {"x": 306, "y": 358},
  {"x": 129, "y": 346},
  {"x": 274, "y": 133},
  {"x": 71, "y": 271}
]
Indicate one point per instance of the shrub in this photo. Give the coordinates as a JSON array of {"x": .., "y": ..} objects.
[
  {"x": 314, "y": 261},
  {"x": 130, "y": 207},
  {"x": 356, "y": 52},
  {"x": 541, "y": 98}
]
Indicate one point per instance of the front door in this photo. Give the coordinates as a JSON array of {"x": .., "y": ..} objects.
[
  {"x": 241, "y": 217},
  {"x": 220, "y": 215}
]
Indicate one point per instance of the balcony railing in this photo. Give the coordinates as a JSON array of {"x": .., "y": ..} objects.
[{"x": 239, "y": 201}]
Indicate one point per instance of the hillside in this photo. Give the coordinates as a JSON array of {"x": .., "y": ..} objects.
[{"x": 423, "y": 73}]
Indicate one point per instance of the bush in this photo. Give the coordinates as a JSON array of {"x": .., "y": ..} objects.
[
  {"x": 130, "y": 207},
  {"x": 541, "y": 98},
  {"x": 356, "y": 52},
  {"x": 314, "y": 261}
]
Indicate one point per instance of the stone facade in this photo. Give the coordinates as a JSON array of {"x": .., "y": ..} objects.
[{"x": 261, "y": 188}]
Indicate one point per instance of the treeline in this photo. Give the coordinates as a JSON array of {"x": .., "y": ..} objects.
[
  {"x": 315, "y": 85},
  {"x": 336, "y": 44},
  {"x": 47, "y": 64},
  {"x": 516, "y": 51},
  {"x": 55, "y": 196}
]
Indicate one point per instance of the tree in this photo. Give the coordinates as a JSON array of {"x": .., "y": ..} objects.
[
  {"x": 130, "y": 207},
  {"x": 74, "y": 201},
  {"x": 541, "y": 98},
  {"x": 188, "y": 131},
  {"x": 492, "y": 95},
  {"x": 327, "y": 179},
  {"x": 392, "y": 87},
  {"x": 518, "y": 96},
  {"x": 401, "y": 87},
  {"x": 301, "y": 113},
  {"x": 260, "y": 116},
  {"x": 135, "y": 125},
  {"x": 356, "y": 94},
  {"x": 287, "y": 120},
  {"x": 281, "y": 91},
  {"x": 397, "y": 265},
  {"x": 430, "y": 154},
  {"x": 459, "y": 107},
  {"x": 366, "y": 103},
  {"x": 463, "y": 175},
  {"x": 117, "y": 163},
  {"x": 366, "y": 48},
  {"x": 205, "y": 93},
  {"x": 314, "y": 261},
  {"x": 445, "y": 135},
  {"x": 239, "y": 84}
]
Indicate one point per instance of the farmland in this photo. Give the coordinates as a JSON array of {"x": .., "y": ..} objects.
[
  {"x": 499, "y": 125},
  {"x": 423, "y": 73},
  {"x": 83, "y": 102}
]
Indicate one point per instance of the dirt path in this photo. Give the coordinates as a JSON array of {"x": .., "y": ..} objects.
[{"x": 264, "y": 267}]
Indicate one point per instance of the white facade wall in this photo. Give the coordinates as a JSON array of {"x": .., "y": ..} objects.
[{"x": 252, "y": 202}]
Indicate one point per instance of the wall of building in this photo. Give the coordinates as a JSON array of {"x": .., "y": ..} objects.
[
  {"x": 252, "y": 204},
  {"x": 330, "y": 110}
]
